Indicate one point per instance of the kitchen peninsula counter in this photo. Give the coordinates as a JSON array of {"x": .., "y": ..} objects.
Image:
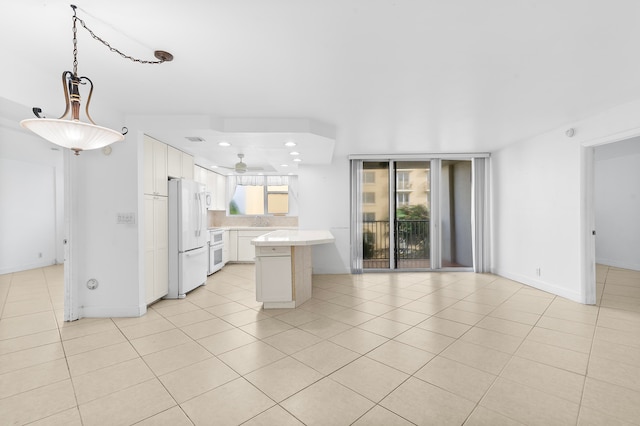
[
  {"x": 293, "y": 237},
  {"x": 284, "y": 266}
]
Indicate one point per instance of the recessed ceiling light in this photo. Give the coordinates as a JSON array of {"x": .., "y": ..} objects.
[
  {"x": 284, "y": 165},
  {"x": 297, "y": 160},
  {"x": 213, "y": 166},
  {"x": 290, "y": 174},
  {"x": 294, "y": 153},
  {"x": 224, "y": 144},
  {"x": 290, "y": 143}
]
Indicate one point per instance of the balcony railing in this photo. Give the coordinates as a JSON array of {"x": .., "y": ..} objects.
[{"x": 411, "y": 241}]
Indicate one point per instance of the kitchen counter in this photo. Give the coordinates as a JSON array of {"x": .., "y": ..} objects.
[
  {"x": 284, "y": 267},
  {"x": 293, "y": 237}
]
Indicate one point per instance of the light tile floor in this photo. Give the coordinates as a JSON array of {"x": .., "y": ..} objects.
[{"x": 373, "y": 349}]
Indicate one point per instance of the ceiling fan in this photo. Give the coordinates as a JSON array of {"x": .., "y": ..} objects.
[{"x": 241, "y": 167}]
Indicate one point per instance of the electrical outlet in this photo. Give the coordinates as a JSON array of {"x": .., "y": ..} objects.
[
  {"x": 40, "y": 255},
  {"x": 538, "y": 272}
]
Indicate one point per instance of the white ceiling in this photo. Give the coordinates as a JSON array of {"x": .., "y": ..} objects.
[{"x": 386, "y": 75}]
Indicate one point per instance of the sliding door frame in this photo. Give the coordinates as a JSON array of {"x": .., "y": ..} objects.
[{"x": 480, "y": 209}]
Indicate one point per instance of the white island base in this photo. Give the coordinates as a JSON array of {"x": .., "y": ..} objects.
[{"x": 284, "y": 266}]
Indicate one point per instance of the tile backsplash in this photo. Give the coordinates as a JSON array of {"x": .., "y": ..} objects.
[{"x": 220, "y": 218}]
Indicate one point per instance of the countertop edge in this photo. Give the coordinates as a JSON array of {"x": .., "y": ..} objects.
[{"x": 298, "y": 240}]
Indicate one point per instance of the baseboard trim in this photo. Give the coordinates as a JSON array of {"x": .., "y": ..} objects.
[
  {"x": 576, "y": 296},
  {"x": 112, "y": 311},
  {"x": 619, "y": 264}
]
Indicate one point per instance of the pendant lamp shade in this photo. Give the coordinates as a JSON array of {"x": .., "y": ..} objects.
[
  {"x": 75, "y": 135},
  {"x": 68, "y": 131}
]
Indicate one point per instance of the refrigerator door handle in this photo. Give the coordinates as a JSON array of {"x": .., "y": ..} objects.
[
  {"x": 200, "y": 218},
  {"x": 197, "y": 218}
]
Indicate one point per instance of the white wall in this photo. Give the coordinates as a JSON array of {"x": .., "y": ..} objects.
[
  {"x": 31, "y": 194},
  {"x": 536, "y": 213},
  {"x": 617, "y": 204},
  {"x": 541, "y": 213},
  {"x": 324, "y": 203},
  {"x": 102, "y": 249}
]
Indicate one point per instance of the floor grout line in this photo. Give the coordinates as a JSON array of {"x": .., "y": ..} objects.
[{"x": 522, "y": 292}]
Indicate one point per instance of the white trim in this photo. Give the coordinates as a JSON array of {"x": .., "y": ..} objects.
[
  {"x": 418, "y": 156},
  {"x": 587, "y": 209},
  {"x": 114, "y": 311},
  {"x": 26, "y": 266},
  {"x": 615, "y": 137},
  {"x": 617, "y": 264},
  {"x": 391, "y": 185},
  {"x": 480, "y": 215},
  {"x": 71, "y": 308},
  {"x": 541, "y": 285},
  {"x": 587, "y": 224},
  {"x": 435, "y": 252},
  {"x": 356, "y": 218}
]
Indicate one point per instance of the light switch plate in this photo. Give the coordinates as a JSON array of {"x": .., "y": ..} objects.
[{"x": 126, "y": 218}]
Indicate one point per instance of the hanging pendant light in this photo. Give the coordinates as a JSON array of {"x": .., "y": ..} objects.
[{"x": 68, "y": 131}]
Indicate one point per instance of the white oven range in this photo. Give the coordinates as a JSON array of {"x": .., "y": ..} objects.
[{"x": 216, "y": 246}]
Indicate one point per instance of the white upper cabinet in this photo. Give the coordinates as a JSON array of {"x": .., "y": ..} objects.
[
  {"x": 217, "y": 185},
  {"x": 187, "y": 166},
  {"x": 200, "y": 175},
  {"x": 220, "y": 200},
  {"x": 212, "y": 181},
  {"x": 174, "y": 165},
  {"x": 179, "y": 164}
]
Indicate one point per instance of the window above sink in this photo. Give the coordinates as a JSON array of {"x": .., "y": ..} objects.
[{"x": 261, "y": 196}]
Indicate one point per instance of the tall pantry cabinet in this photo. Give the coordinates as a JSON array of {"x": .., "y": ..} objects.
[{"x": 156, "y": 220}]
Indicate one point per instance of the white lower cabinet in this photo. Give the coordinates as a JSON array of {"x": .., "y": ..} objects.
[
  {"x": 233, "y": 246},
  {"x": 225, "y": 249},
  {"x": 246, "y": 250},
  {"x": 273, "y": 275},
  {"x": 156, "y": 247},
  {"x": 240, "y": 247}
]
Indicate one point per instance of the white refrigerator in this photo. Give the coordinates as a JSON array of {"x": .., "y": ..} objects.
[{"x": 188, "y": 248}]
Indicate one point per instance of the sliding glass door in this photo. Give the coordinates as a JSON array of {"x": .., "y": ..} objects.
[
  {"x": 456, "y": 247},
  {"x": 412, "y": 224},
  {"x": 425, "y": 214},
  {"x": 376, "y": 242}
]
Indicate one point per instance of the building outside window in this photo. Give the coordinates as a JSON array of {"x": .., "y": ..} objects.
[
  {"x": 368, "y": 197},
  {"x": 403, "y": 180},
  {"x": 369, "y": 177},
  {"x": 369, "y": 217},
  {"x": 402, "y": 199}
]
